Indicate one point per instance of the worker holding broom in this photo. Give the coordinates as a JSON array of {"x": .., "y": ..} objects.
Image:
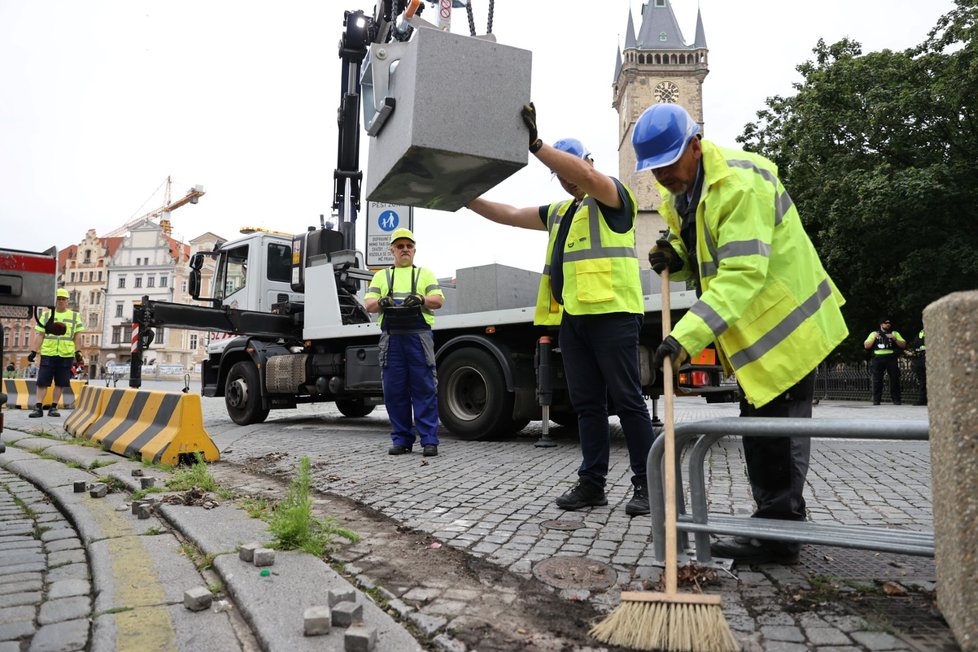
[{"x": 764, "y": 298}]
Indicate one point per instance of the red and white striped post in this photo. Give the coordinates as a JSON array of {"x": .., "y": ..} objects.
[{"x": 136, "y": 349}]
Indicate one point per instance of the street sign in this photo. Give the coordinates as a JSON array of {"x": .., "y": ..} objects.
[{"x": 382, "y": 219}]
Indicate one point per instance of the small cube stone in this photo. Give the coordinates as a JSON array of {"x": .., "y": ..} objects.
[
  {"x": 334, "y": 596},
  {"x": 146, "y": 483},
  {"x": 247, "y": 551},
  {"x": 347, "y": 613},
  {"x": 145, "y": 511},
  {"x": 360, "y": 638},
  {"x": 80, "y": 487},
  {"x": 99, "y": 490},
  {"x": 137, "y": 473},
  {"x": 316, "y": 621},
  {"x": 264, "y": 557},
  {"x": 197, "y": 598}
]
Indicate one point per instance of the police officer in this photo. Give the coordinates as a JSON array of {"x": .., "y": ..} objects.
[
  {"x": 764, "y": 298},
  {"x": 920, "y": 366},
  {"x": 58, "y": 333},
  {"x": 886, "y": 344},
  {"x": 407, "y": 296}
]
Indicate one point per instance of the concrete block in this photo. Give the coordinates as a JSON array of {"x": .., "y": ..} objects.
[
  {"x": 135, "y": 506},
  {"x": 336, "y": 596},
  {"x": 137, "y": 473},
  {"x": 316, "y": 621},
  {"x": 146, "y": 483},
  {"x": 492, "y": 287},
  {"x": 197, "y": 598},
  {"x": 145, "y": 511},
  {"x": 80, "y": 486},
  {"x": 360, "y": 638},
  {"x": 99, "y": 490},
  {"x": 347, "y": 613},
  {"x": 264, "y": 557},
  {"x": 456, "y": 129},
  {"x": 247, "y": 552},
  {"x": 952, "y": 384}
]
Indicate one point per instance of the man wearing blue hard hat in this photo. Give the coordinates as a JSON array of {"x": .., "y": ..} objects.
[
  {"x": 591, "y": 289},
  {"x": 764, "y": 298},
  {"x": 406, "y": 297}
]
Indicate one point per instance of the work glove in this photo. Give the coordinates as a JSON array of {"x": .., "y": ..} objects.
[
  {"x": 663, "y": 256},
  {"x": 413, "y": 300},
  {"x": 529, "y": 113},
  {"x": 386, "y": 302},
  {"x": 32, "y": 356},
  {"x": 672, "y": 349},
  {"x": 78, "y": 357}
]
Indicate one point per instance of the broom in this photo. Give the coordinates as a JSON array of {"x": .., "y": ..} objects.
[{"x": 670, "y": 621}]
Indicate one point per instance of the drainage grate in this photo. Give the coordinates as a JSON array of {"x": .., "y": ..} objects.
[
  {"x": 562, "y": 525},
  {"x": 913, "y": 618},
  {"x": 850, "y": 563},
  {"x": 575, "y": 573}
]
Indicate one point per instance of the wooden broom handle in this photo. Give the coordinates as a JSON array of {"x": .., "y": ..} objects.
[{"x": 669, "y": 458}]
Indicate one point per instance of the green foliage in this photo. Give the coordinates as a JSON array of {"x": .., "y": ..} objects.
[
  {"x": 878, "y": 154},
  {"x": 293, "y": 524},
  {"x": 196, "y": 476}
]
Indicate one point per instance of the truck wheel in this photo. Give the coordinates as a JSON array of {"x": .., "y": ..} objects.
[
  {"x": 242, "y": 395},
  {"x": 353, "y": 407},
  {"x": 473, "y": 401}
]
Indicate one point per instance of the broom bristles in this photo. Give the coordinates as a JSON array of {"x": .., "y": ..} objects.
[{"x": 667, "y": 626}]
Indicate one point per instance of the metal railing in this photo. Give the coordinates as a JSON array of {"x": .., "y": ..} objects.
[{"x": 853, "y": 382}]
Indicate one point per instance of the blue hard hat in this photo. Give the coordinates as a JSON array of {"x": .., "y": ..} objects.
[
  {"x": 661, "y": 135},
  {"x": 573, "y": 146}
]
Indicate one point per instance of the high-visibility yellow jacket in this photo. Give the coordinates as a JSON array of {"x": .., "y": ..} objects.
[
  {"x": 399, "y": 282},
  {"x": 600, "y": 267},
  {"x": 62, "y": 346},
  {"x": 766, "y": 299}
]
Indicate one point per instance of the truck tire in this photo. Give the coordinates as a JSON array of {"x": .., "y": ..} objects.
[
  {"x": 242, "y": 395},
  {"x": 473, "y": 401},
  {"x": 353, "y": 407}
]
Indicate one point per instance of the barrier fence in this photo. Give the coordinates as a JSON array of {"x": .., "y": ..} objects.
[
  {"x": 853, "y": 382},
  {"x": 22, "y": 391}
]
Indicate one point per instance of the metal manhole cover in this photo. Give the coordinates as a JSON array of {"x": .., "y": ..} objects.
[
  {"x": 562, "y": 525},
  {"x": 865, "y": 564},
  {"x": 575, "y": 573}
]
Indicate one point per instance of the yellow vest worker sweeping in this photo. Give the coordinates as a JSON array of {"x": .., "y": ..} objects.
[{"x": 58, "y": 333}]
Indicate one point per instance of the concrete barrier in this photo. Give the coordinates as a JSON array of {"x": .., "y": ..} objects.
[
  {"x": 952, "y": 379},
  {"x": 153, "y": 426},
  {"x": 20, "y": 393}
]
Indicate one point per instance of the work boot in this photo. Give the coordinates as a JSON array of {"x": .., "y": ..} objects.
[
  {"x": 38, "y": 412},
  {"x": 755, "y": 551},
  {"x": 430, "y": 450},
  {"x": 639, "y": 504},
  {"x": 582, "y": 494},
  {"x": 53, "y": 412},
  {"x": 398, "y": 450}
]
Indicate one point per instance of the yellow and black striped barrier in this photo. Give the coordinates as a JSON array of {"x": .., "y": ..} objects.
[
  {"x": 154, "y": 426},
  {"x": 21, "y": 391}
]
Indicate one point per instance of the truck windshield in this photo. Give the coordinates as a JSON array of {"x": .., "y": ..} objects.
[
  {"x": 234, "y": 272},
  {"x": 279, "y": 263}
]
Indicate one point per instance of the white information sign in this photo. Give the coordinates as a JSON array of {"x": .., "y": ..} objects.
[{"x": 382, "y": 219}]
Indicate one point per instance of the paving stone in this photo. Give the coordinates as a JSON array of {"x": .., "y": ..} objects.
[
  {"x": 58, "y": 534},
  {"x": 445, "y": 607},
  {"x": 316, "y": 620},
  {"x": 877, "y": 640},
  {"x": 16, "y": 599},
  {"x": 69, "y": 572},
  {"x": 61, "y": 545},
  {"x": 426, "y": 623},
  {"x": 826, "y": 636},
  {"x": 61, "y": 637},
  {"x": 782, "y": 633},
  {"x": 335, "y": 596},
  {"x": 422, "y": 595},
  {"x": 360, "y": 638},
  {"x": 16, "y": 614},
  {"x": 448, "y": 644},
  {"x": 68, "y": 588},
  {"x": 56, "y": 611},
  {"x": 76, "y": 556},
  {"x": 197, "y": 598},
  {"x": 12, "y": 631}
]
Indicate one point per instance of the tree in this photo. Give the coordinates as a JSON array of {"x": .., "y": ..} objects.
[{"x": 880, "y": 154}]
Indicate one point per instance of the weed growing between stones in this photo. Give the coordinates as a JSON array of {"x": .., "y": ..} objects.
[{"x": 196, "y": 476}]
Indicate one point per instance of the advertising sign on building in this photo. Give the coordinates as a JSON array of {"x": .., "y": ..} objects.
[{"x": 382, "y": 219}]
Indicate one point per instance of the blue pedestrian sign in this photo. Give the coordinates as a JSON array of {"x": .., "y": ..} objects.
[{"x": 382, "y": 219}]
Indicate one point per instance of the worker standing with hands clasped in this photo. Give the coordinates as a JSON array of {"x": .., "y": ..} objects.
[
  {"x": 58, "y": 333},
  {"x": 407, "y": 296},
  {"x": 886, "y": 344},
  {"x": 764, "y": 298},
  {"x": 591, "y": 288}
]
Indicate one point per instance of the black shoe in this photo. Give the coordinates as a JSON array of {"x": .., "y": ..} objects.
[
  {"x": 38, "y": 412},
  {"x": 639, "y": 504},
  {"x": 430, "y": 450},
  {"x": 53, "y": 412},
  {"x": 753, "y": 551},
  {"x": 582, "y": 494},
  {"x": 398, "y": 450}
]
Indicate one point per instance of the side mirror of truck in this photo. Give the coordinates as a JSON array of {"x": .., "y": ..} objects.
[
  {"x": 197, "y": 262},
  {"x": 193, "y": 283}
]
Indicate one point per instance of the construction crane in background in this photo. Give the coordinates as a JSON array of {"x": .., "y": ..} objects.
[{"x": 163, "y": 212}]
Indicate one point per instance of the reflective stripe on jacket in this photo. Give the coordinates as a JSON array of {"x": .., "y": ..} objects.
[
  {"x": 62, "y": 346},
  {"x": 600, "y": 267},
  {"x": 766, "y": 299}
]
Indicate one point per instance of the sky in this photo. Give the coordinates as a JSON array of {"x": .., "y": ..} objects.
[{"x": 101, "y": 101}]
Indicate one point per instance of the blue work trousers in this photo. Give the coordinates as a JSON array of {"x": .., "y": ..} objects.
[
  {"x": 408, "y": 371},
  {"x": 600, "y": 354}
]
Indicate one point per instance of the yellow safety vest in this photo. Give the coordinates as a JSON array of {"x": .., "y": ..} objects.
[
  {"x": 406, "y": 280},
  {"x": 600, "y": 267},
  {"x": 766, "y": 299},
  {"x": 62, "y": 346}
]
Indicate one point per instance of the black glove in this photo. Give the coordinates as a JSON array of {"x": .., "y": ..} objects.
[
  {"x": 413, "y": 300},
  {"x": 31, "y": 356},
  {"x": 78, "y": 357},
  {"x": 386, "y": 301},
  {"x": 663, "y": 256},
  {"x": 529, "y": 113},
  {"x": 672, "y": 349}
]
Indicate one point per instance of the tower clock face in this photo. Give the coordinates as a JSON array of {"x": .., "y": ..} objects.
[{"x": 666, "y": 92}]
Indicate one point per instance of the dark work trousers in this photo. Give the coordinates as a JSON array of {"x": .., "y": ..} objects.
[
  {"x": 920, "y": 370},
  {"x": 410, "y": 382},
  {"x": 600, "y": 354},
  {"x": 777, "y": 467},
  {"x": 885, "y": 364}
]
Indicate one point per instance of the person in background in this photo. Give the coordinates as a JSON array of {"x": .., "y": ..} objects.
[
  {"x": 406, "y": 297},
  {"x": 763, "y": 298},
  {"x": 591, "y": 288},
  {"x": 885, "y": 344},
  {"x": 10, "y": 371},
  {"x": 58, "y": 333},
  {"x": 920, "y": 366},
  {"x": 31, "y": 370}
]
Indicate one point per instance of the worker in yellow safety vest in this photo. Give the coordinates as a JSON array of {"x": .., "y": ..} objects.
[
  {"x": 58, "y": 343},
  {"x": 764, "y": 297}
]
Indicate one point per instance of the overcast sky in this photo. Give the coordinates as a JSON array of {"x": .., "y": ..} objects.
[{"x": 101, "y": 100}]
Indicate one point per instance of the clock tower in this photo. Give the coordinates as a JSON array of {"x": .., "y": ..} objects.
[{"x": 656, "y": 66}]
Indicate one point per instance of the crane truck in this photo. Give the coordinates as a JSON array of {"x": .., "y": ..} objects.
[{"x": 300, "y": 333}]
